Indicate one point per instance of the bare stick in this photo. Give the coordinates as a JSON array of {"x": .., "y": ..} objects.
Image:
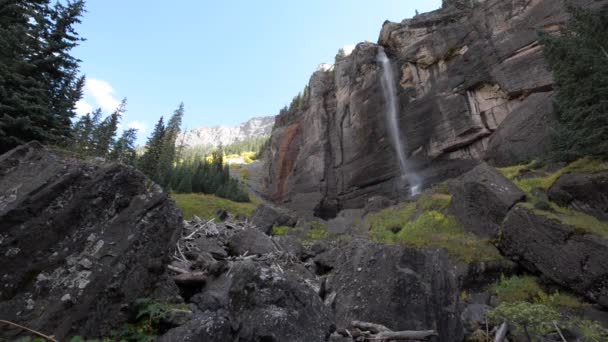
[
  {"x": 371, "y": 327},
  {"x": 559, "y": 331},
  {"x": 502, "y": 332},
  {"x": 487, "y": 330},
  {"x": 30, "y": 330},
  {"x": 198, "y": 229},
  {"x": 403, "y": 335}
]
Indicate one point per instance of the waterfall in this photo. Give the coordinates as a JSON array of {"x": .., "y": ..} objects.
[{"x": 392, "y": 117}]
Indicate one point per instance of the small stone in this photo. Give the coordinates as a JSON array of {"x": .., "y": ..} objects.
[
  {"x": 66, "y": 298},
  {"x": 86, "y": 263}
]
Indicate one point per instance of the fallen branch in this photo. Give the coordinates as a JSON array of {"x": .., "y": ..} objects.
[
  {"x": 193, "y": 278},
  {"x": 30, "y": 330},
  {"x": 378, "y": 332},
  {"x": 371, "y": 327},
  {"x": 403, "y": 335},
  {"x": 177, "y": 269},
  {"x": 198, "y": 229},
  {"x": 559, "y": 331},
  {"x": 501, "y": 334}
]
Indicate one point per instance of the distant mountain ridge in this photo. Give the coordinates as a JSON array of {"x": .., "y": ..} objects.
[{"x": 214, "y": 136}]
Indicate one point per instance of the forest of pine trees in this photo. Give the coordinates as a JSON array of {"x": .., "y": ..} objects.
[
  {"x": 39, "y": 79},
  {"x": 40, "y": 85}
]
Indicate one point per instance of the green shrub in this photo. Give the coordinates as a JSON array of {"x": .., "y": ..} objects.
[
  {"x": 516, "y": 289},
  {"x": 536, "y": 319}
]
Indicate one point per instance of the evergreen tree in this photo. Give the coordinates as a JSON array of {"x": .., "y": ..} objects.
[
  {"x": 39, "y": 82},
  {"x": 578, "y": 58},
  {"x": 168, "y": 153},
  {"x": 149, "y": 161},
  {"x": 124, "y": 147},
  {"x": 103, "y": 136},
  {"x": 185, "y": 184}
]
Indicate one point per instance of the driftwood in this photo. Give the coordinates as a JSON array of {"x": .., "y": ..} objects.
[
  {"x": 501, "y": 334},
  {"x": 378, "y": 332},
  {"x": 403, "y": 335},
  {"x": 193, "y": 278}
]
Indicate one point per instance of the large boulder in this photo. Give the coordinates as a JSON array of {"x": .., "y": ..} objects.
[
  {"x": 255, "y": 301},
  {"x": 584, "y": 192},
  {"x": 401, "y": 288},
  {"x": 482, "y": 198},
  {"x": 78, "y": 242},
  {"x": 265, "y": 217},
  {"x": 250, "y": 241},
  {"x": 566, "y": 255}
]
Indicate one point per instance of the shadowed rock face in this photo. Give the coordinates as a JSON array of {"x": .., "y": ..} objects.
[
  {"x": 566, "y": 255},
  {"x": 78, "y": 241},
  {"x": 473, "y": 85}
]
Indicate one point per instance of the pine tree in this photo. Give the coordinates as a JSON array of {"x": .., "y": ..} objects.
[
  {"x": 39, "y": 82},
  {"x": 578, "y": 58},
  {"x": 168, "y": 152},
  {"x": 124, "y": 148},
  {"x": 149, "y": 161},
  {"x": 103, "y": 136}
]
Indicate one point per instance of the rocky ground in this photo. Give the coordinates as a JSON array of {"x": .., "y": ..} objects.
[{"x": 96, "y": 250}]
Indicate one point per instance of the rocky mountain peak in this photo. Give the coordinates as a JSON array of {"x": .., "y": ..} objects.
[{"x": 225, "y": 135}]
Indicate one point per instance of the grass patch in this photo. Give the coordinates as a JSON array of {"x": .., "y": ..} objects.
[
  {"x": 206, "y": 206},
  {"x": 512, "y": 172},
  {"x": 526, "y": 289},
  {"x": 584, "y": 165},
  {"x": 516, "y": 289},
  {"x": 317, "y": 232},
  {"x": 434, "y": 201},
  {"x": 432, "y": 228},
  {"x": 281, "y": 230}
]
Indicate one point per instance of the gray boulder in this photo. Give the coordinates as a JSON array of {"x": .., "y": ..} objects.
[
  {"x": 257, "y": 302},
  {"x": 265, "y": 217},
  {"x": 400, "y": 288},
  {"x": 566, "y": 255},
  {"x": 585, "y": 192},
  {"x": 482, "y": 198},
  {"x": 78, "y": 242},
  {"x": 250, "y": 241}
]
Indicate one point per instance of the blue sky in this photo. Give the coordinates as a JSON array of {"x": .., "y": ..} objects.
[{"x": 227, "y": 61}]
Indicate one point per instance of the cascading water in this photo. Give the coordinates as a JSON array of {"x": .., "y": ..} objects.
[{"x": 392, "y": 117}]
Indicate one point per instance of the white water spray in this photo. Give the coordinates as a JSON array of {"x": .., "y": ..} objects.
[{"x": 392, "y": 117}]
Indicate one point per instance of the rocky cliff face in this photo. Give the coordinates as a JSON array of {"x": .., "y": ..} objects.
[
  {"x": 226, "y": 135},
  {"x": 473, "y": 86}
]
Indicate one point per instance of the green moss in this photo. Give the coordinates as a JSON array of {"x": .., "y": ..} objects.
[
  {"x": 430, "y": 229},
  {"x": 583, "y": 223},
  {"x": 385, "y": 223},
  {"x": 206, "y": 206},
  {"x": 512, "y": 172},
  {"x": 317, "y": 232},
  {"x": 441, "y": 188},
  {"x": 434, "y": 202},
  {"x": 281, "y": 230},
  {"x": 516, "y": 289},
  {"x": 526, "y": 289}
]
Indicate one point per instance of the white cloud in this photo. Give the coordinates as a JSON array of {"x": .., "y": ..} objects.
[
  {"x": 83, "y": 107},
  {"x": 348, "y": 49},
  {"x": 138, "y": 125},
  {"x": 102, "y": 92}
]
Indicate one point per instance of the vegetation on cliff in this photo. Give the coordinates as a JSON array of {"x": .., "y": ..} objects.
[{"x": 578, "y": 57}]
